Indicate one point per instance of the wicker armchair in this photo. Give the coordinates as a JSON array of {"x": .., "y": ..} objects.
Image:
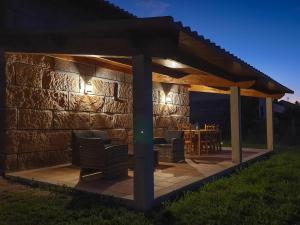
[
  {"x": 170, "y": 147},
  {"x": 96, "y": 154}
]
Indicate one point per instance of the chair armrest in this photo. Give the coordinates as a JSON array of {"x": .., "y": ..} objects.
[
  {"x": 159, "y": 140},
  {"x": 117, "y": 151},
  {"x": 176, "y": 141}
]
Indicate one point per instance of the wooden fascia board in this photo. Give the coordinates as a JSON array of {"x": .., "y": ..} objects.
[
  {"x": 156, "y": 68},
  {"x": 52, "y": 44},
  {"x": 244, "y": 92},
  {"x": 206, "y": 89},
  {"x": 60, "y": 44}
]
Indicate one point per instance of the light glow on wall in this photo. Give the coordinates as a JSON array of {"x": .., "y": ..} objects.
[
  {"x": 173, "y": 64},
  {"x": 168, "y": 100},
  {"x": 88, "y": 88},
  {"x": 85, "y": 87}
]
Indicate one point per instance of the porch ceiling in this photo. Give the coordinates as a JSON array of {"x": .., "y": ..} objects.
[{"x": 179, "y": 55}]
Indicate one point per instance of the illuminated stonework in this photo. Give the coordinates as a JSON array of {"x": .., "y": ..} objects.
[{"x": 47, "y": 98}]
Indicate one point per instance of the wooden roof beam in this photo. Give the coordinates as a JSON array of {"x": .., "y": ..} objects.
[{"x": 156, "y": 68}]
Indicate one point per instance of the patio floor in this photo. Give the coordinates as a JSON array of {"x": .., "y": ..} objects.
[{"x": 168, "y": 177}]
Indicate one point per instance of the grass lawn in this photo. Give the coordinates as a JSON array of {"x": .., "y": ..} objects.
[{"x": 267, "y": 192}]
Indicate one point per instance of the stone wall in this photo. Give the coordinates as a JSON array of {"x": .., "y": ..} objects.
[{"x": 46, "y": 100}]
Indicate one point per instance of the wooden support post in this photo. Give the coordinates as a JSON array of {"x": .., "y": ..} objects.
[
  {"x": 143, "y": 133},
  {"x": 269, "y": 120},
  {"x": 236, "y": 131}
]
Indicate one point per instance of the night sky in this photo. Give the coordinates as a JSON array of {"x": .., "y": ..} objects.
[{"x": 264, "y": 33}]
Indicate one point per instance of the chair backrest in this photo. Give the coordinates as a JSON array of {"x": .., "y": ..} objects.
[
  {"x": 186, "y": 126},
  {"x": 92, "y": 153},
  {"x": 170, "y": 134},
  {"x": 189, "y": 135},
  {"x": 78, "y": 134},
  {"x": 211, "y": 127}
]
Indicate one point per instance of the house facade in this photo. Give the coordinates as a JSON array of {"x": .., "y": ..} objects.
[{"x": 82, "y": 65}]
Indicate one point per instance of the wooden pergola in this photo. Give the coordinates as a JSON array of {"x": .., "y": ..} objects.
[{"x": 154, "y": 49}]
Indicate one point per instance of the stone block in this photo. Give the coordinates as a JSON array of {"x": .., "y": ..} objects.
[
  {"x": 101, "y": 121},
  {"x": 43, "y": 159},
  {"x": 10, "y": 162},
  {"x": 31, "y": 59},
  {"x": 129, "y": 106},
  {"x": 10, "y": 75},
  {"x": 159, "y": 132},
  {"x": 30, "y": 98},
  {"x": 53, "y": 100},
  {"x": 163, "y": 122},
  {"x": 71, "y": 120},
  {"x": 14, "y": 96},
  {"x": 28, "y": 75},
  {"x": 86, "y": 103},
  {"x": 11, "y": 142},
  {"x": 172, "y": 110},
  {"x": 105, "y": 73},
  {"x": 101, "y": 87},
  {"x": 59, "y": 157},
  {"x": 175, "y": 98},
  {"x": 167, "y": 109},
  {"x": 58, "y": 80},
  {"x": 177, "y": 120},
  {"x": 175, "y": 88},
  {"x": 185, "y": 99},
  {"x": 18, "y": 141},
  {"x": 156, "y": 109},
  {"x": 115, "y": 106},
  {"x": 128, "y": 78},
  {"x": 73, "y": 67},
  {"x": 58, "y": 140},
  {"x": 183, "y": 89},
  {"x": 120, "y": 76},
  {"x": 10, "y": 117},
  {"x": 155, "y": 95},
  {"x": 125, "y": 91},
  {"x": 118, "y": 134},
  {"x": 184, "y": 110},
  {"x": 123, "y": 121},
  {"x": 34, "y": 119}
]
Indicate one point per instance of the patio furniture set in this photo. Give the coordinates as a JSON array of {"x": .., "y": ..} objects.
[
  {"x": 99, "y": 156},
  {"x": 198, "y": 141}
]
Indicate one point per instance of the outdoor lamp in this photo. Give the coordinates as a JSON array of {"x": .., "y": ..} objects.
[
  {"x": 168, "y": 99},
  {"x": 88, "y": 88}
]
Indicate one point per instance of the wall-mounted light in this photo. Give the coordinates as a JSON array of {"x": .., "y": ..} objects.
[
  {"x": 81, "y": 86},
  {"x": 116, "y": 91},
  {"x": 168, "y": 100},
  {"x": 88, "y": 88}
]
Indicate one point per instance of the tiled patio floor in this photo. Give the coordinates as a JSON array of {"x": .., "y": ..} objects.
[{"x": 168, "y": 177}]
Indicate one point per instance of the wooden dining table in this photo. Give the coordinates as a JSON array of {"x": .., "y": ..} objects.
[{"x": 198, "y": 134}]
